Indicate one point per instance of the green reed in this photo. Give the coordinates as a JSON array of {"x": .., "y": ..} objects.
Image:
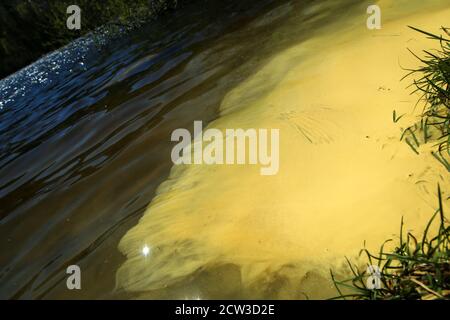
[
  {"x": 432, "y": 81},
  {"x": 416, "y": 269}
]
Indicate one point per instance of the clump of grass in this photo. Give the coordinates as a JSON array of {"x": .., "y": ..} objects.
[
  {"x": 433, "y": 82},
  {"x": 416, "y": 269}
]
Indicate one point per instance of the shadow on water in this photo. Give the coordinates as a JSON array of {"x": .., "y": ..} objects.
[{"x": 85, "y": 133}]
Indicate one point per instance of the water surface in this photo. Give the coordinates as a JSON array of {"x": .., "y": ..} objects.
[
  {"x": 84, "y": 134},
  {"x": 85, "y": 143}
]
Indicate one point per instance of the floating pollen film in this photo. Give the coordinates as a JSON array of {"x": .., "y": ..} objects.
[{"x": 223, "y": 231}]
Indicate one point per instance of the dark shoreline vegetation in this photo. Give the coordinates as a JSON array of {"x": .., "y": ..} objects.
[
  {"x": 417, "y": 268},
  {"x": 31, "y": 29}
]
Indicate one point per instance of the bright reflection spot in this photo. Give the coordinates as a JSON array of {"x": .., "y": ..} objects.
[{"x": 145, "y": 251}]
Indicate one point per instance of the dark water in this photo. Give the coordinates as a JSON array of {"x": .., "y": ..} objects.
[{"x": 85, "y": 133}]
